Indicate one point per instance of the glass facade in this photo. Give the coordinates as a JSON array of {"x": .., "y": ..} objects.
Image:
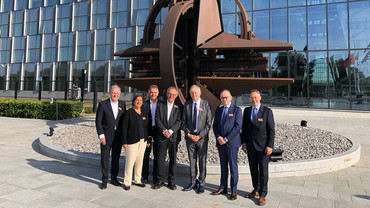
[{"x": 59, "y": 41}]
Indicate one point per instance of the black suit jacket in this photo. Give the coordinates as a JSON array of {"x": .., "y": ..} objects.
[
  {"x": 260, "y": 134},
  {"x": 131, "y": 128},
  {"x": 105, "y": 121},
  {"x": 174, "y": 123},
  {"x": 146, "y": 107}
]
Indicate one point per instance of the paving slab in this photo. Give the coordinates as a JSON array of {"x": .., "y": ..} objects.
[{"x": 31, "y": 179}]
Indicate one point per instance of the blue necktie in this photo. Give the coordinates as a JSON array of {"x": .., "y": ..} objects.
[
  {"x": 254, "y": 115},
  {"x": 223, "y": 116},
  {"x": 195, "y": 117}
]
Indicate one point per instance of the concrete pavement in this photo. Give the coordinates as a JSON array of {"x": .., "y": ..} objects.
[{"x": 30, "y": 179}]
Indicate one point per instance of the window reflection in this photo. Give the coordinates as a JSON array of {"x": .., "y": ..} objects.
[
  {"x": 297, "y": 20},
  {"x": 359, "y": 23},
  {"x": 29, "y": 76},
  {"x": 317, "y": 28},
  {"x": 279, "y": 25},
  {"x": 337, "y": 26},
  {"x": 261, "y": 24}
]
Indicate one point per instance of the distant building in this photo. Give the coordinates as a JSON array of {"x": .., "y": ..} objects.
[{"x": 60, "y": 42}]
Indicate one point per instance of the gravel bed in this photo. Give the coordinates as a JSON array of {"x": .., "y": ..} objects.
[{"x": 298, "y": 143}]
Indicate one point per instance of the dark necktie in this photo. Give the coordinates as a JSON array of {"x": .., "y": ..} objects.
[{"x": 195, "y": 117}]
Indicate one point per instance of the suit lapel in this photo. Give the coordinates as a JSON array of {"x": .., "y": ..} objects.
[{"x": 110, "y": 108}]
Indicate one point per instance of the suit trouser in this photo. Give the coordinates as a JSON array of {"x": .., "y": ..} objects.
[
  {"x": 228, "y": 156},
  {"x": 163, "y": 146},
  {"x": 105, "y": 150},
  {"x": 134, "y": 162},
  {"x": 197, "y": 150},
  {"x": 258, "y": 165},
  {"x": 154, "y": 146}
]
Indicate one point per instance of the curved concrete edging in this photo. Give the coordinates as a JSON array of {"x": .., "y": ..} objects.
[{"x": 276, "y": 169}]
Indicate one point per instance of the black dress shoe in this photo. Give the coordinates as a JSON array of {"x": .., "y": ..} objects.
[
  {"x": 103, "y": 185},
  {"x": 140, "y": 184},
  {"x": 190, "y": 187},
  {"x": 126, "y": 187},
  {"x": 158, "y": 185},
  {"x": 172, "y": 186},
  {"x": 200, "y": 189},
  {"x": 144, "y": 180},
  {"x": 233, "y": 196},
  {"x": 219, "y": 191},
  {"x": 115, "y": 182}
]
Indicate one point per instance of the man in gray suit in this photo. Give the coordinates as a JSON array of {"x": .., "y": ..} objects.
[{"x": 197, "y": 121}]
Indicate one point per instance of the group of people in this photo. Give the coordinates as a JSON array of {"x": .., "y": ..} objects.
[{"x": 155, "y": 125}]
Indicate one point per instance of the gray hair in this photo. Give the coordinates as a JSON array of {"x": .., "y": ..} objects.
[
  {"x": 153, "y": 86},
  {"x": 115, "y": 86},
  {"x": 196, "y": 87},
  {"x": 172, "y": 87},
  {"x": 256, "y": 91}
]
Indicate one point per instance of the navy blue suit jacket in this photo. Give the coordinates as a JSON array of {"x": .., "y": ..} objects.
[
  {"x": 260, "y": 134},
  {"x": 105, "y": 121},
  {"x": 231, "y": 128}
]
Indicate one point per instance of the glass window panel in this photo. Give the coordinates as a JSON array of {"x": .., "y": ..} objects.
[
  {"x": 117, "y": 69},
  {"x": 29, "y": 76},
  {"x": 260, "y": 4},
  {"x": 338, "y": 74},
  {"x": 83, "y": 8},
  {"x": 18, "y": 17},
  {"x": 142, "y": 15},
  {"x": 4, "y": 57},
  {"x": 119, "y": 6},
  {"x": 14, "y": 75},
  {"x": 228, "y": 21},
  {"x": 359, "y": 23},
  {"x": 317, "y": 69},
  {"x": 332, "y": 1},
  {"x": 278, "y": 3},
  {"x": 7, "y": 5},
  {"x": 279, "y": 30},
  {"x": 297, "y": 25},
  {"x": 4, "y": 32},
  {"x": 102, "y": 6},
  {"x": 296, "y": 3},
  {"x": 32, "y": 15},
  {"x": 19, "y": 43},
  {"x": 51, "y": 2},
  {"x": 35, "y": 3},
  {"x": 143, "y": 4},
  {"x": 228, "y": 6},
  {"x": 77, "y": 71},
  {"x": 247, "y": 4},
  {"x": 337, "y": 26},
  {"x": 20, "y": 4},
  {"x": 317, "y": 28},
  {"x": 100, "y": 52},
  {"x": 122, "y": 19},
  {"x": 121, "y": 35},
  {"x": 313, "y": 2},
  {"x": 49, "y": 13},
  {"x": 17, "y": 56},
  {"x": 100, "y": 37},
  {"x": 261, "y": 24}
]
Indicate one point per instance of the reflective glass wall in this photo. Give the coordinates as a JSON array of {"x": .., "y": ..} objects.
[
  {"x": 63, "y": 42},
  {"x": 330, "y": 62}
]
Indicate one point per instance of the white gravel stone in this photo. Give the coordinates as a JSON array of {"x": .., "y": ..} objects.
[{"x": 298, "y": 143}]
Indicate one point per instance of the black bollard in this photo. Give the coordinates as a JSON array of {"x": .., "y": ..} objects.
[
  {"x": 95, "y": 97},
  {"x": 40, "y": 90},
  {"x": 16, "y": 90}
]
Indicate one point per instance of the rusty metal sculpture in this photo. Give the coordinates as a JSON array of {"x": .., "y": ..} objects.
[{"x": 194, "y": 49}]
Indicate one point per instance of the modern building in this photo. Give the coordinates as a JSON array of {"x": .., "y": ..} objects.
[{"x": 55, "y": 44}]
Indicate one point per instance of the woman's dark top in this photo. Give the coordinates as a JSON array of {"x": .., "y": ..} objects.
[{"x": 134, "y": 126}]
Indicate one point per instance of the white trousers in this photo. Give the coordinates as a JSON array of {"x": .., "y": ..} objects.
[{"x": 134, "y": 162}]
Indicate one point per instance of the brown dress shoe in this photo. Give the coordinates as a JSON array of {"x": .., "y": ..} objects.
[
  {"x": 219, "y": 191},
  {"x": 253, "y": 194},
  {"x": 262, "y": 201},
  {"x": 233, "y": 196}
]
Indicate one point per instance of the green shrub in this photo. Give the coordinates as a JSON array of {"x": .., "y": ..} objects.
[{"x": 40, "y": 109}]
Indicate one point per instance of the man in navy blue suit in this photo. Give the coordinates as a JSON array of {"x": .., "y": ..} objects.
[
  {"x": 226, "y": 127},
  {"x": 108, "y": 118},
  {"x": 258, "y": 135}
]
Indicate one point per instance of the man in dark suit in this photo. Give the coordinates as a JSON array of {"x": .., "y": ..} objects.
[
  {"x": 258, "y": 134},
  {"x": 197, "y": 121},
  {"x": 226, "y": 127},
  {"x": 168, "y": 120},
  {"x": 150, "y": 107},
  {"x": 108, "y": 118}
]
